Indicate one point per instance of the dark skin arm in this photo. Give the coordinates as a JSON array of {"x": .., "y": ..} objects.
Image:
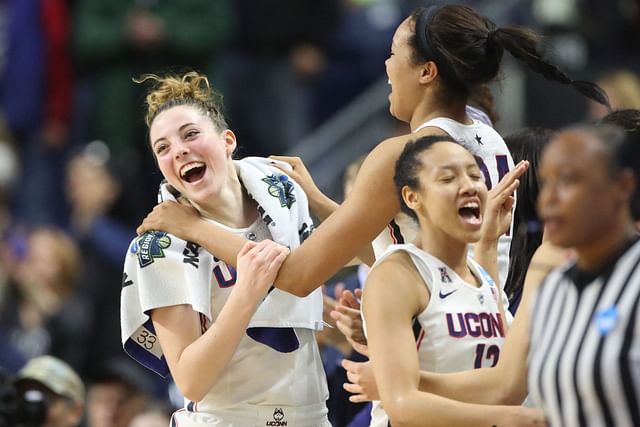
[
  {"x": 321, "y": 205},
  {"x": 371, "y": 205}
]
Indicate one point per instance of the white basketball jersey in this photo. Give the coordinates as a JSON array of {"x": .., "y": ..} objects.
[
  {"x": 461, "y": 327},
  {"x": 487, "y": 145},
  {"x": 258, "y": 374}
]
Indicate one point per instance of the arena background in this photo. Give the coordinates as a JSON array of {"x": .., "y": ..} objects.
[{"x": 299, "y": 77}]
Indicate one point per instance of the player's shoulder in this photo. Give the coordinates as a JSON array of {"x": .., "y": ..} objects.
[
  {"x": 394, "y": 145},
  {"x": 397, "y": 266}
]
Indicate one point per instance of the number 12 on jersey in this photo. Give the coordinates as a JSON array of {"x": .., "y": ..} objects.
[{"x": 492, "y": 353}]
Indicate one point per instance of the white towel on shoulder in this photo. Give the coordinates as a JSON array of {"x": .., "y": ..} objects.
[{"x": 162, "y": 270}]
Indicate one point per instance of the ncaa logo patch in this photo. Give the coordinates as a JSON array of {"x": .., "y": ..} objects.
[
  {"x": 281, "y": 188},
  {"x": 606, "y": 320},
  {"x": 150, "y": 246}
]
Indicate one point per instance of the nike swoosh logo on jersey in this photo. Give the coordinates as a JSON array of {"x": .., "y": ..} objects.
[{"x": 443, "y": 296}]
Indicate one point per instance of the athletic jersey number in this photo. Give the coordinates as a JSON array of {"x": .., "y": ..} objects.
[
  {"x": 146, "y": 339},
  {"x": 493, "y": 353}
]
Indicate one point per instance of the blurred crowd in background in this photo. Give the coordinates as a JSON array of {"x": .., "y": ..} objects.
[{"x": 76, "y": 174}]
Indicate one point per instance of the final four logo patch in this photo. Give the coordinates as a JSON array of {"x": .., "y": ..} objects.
[
  {"x": 150, "y": 246},
  {"x": 281, "y": 188}
]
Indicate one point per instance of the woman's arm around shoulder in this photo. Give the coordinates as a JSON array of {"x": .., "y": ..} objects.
[{"x": 370, "y": 206}]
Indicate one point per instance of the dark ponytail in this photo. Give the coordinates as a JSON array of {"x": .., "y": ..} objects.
[
  {"x": 468, "y": 49},
  {"x": 523, "y": 44}
]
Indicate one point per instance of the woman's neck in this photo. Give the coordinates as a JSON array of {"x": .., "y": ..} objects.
[
  {"x": 233, "y": 207},
  {"x": 595, "y": 255},
  {"x": 431, "y": 108},
  {"x": 448, "y": 250}
]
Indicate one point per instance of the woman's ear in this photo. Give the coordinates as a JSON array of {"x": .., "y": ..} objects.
[
  {"x": 229, "y": 141},
  {"x": 627, "y": 185},
  {"x": 411, "y": 198},
  {"x": 428, "y": 72}
]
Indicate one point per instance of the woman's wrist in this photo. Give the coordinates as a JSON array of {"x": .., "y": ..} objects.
[
  {"x": 247, "y": 296},
  {"x": 196, "y": 231},
  {"x": 487, "y": 244}
]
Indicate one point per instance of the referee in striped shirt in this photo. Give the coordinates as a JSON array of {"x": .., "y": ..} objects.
[{"x": 584, "y": 353}]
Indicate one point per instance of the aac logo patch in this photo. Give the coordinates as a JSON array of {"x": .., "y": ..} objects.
[
  {"x": 281, "y": 188},
  {"x": 150, "y": 246}
]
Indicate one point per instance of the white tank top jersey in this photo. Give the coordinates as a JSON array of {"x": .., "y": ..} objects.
[
  {"x": 487, "y": 145},
  {"x": 258, "y": 375},
  {"x": 460, "y": 328}
]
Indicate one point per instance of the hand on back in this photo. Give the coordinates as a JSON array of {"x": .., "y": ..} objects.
[
  {"x": 299, "y": 173},
  {"x": 176, "y": 218}
]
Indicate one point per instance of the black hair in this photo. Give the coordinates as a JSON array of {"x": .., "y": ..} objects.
[
  {"x": 408, "y": 166},
  {"x": 526, "y": 144},
  {"x": 469, "y": 48},
  {"x": 622, "y": 148},
  {"x": 629, "y": 121}
]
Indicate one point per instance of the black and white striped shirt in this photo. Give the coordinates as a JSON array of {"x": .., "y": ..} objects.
[{"x": 584, "y": 357}]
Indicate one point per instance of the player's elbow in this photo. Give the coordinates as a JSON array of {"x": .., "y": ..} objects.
[
  {"x": 511, "y": 394},
  {"x": 192, "y": 390},
  {"x": 296, "y": 288},
  {"x": 301, "y": 293},
  {"x": 399, "y": 411},
  {"x": 193, "y": 395}
]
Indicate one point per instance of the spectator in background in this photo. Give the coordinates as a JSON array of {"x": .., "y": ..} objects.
[
  {"x": 118, "y": 392},
  {"x": 611, "y": 30},
  {"x": 60, "y": 386},
  {"x": 8, "y": 175},
  {"x": 118, "y": 39},
  {"x": 355, "y": 62},
  {"x": 92, "y": 192},
  {"x": 35, "y": 101},
  {"x": 43, "y": 313},
  {"x": 273, "y": 67},
  {"x": 622, "y": 87}
]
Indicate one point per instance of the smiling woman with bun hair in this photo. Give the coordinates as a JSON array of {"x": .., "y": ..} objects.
[{"x": 215, "y": 329}]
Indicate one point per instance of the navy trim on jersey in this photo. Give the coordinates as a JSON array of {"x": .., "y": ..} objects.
[{"x": 396, "y": 235}]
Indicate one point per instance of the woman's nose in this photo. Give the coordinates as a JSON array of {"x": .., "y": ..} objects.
[
  {"x": 181, "y": 150},
  {"x": 468, "y": 186}
]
